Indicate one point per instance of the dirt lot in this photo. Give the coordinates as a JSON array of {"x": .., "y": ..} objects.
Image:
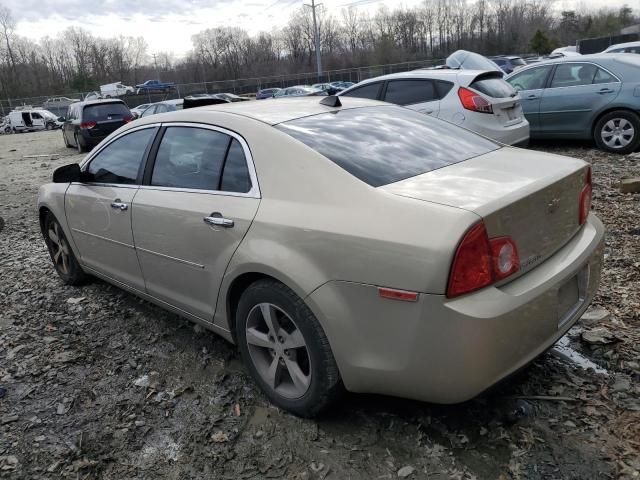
[{"x": 75, "y": 402}]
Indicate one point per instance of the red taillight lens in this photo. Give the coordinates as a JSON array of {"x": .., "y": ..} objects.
[
  {"x": 480, "y": 262},
  {"x": 471, "y": 268},
  {"x": 87, "y": 125},
  {"x": 474, "y": 101},
  {"x": 128, "y": 118},
  {"x": 585, "y": 198}
]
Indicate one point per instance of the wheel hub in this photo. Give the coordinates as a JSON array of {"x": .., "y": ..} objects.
[{"x": 278, "y": 350}]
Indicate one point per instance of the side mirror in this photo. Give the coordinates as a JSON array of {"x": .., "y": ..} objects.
[
  {"x": 67, "y": 174},
  {"x": 61, "y": 119}
]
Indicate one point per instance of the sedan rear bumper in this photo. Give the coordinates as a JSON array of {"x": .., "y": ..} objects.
[{"x": 450, "y": 350}]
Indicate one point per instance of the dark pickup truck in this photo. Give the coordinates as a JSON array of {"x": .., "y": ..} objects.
[{"x": 154, "y": 86}]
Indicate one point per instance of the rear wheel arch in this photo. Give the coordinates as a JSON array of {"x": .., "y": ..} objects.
[{"x": 42, "y": 216}]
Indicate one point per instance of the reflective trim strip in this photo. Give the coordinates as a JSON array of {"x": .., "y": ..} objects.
[
  {"x": 103, "y": 238},
  {"x": 168, "y": 257}
]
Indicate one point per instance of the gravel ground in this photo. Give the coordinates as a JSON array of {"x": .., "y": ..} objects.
[{"x": 95, "y": 383}]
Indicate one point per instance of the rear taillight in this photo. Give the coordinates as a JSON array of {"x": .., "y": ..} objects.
[
  {"x": 480, "y": 261},
  {"x": 474, "y": 101},
  {"x": 87, "y": 125},
  {"x": 128, "y": 118},
  {"x": 585, "y": 198}
]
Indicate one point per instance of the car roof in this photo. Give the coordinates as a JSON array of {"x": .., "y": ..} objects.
[
  {"x": 99, "y": 101},
  {"x": 271, "y": 113},
  {"x": 622, "y": 45}
]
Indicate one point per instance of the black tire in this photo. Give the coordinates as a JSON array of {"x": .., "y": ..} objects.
[
  {"x": 69, "y": 270},
  {"x": 325, "y": 386},
  {"x": 79, "y": 146},
  {"x": 625, "y": 143},
  {"x": 66, "y": 143},
  {"x": 49, "y": 126}
]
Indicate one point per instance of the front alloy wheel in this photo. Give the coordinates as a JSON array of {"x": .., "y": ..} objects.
[
  {"x": 285, "y": 349},
  {"x": 64, "y": 261}
]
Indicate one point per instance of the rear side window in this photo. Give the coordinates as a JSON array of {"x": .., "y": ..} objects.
[
  {"x": 493, "y": 87},
  {"x": 102, "y": 111},
  {"x": 602, "y": 76},
  {"x": 120, "y": 161},
  {"x": 370, "y": 91},
  {"x": 201, "y": 159},
  {"x": 190, "y": 158},
  {"x": 573, "y": 75},
  {"x": 443, "y": 88},
  {"x": 406, "y": 92},
  {"x": 382, "y": 145},
  {"x": 235, "y": 177}
]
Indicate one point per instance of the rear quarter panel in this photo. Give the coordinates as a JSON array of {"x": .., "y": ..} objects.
[{"x": 318, "y": 223}]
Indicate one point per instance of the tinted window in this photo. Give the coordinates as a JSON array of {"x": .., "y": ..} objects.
[
  {"x": 381, "y": 145},
  {"x": 531, "y": 79},
  {"x": 573, "y": 74},
  {"x": 494, "y": 87},
  {"x": 443, "y": 88},
  {"x": 120, "y": 161},
  {"x": 518, "y": 61},
  {"x": 103, "y": 111},
  {"x": 406, "y": 92},
  {"x": 369, "y": 91},
  {"x": 235, "y": 177},
  {"x": 190, "y": 158},
  {"x": 603, "y": 76},
  {"x": 499, "y": 61},
  {"x": 633, "y": 50}
]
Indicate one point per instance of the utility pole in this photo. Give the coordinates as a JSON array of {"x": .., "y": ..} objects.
[
  {"x": 316, "y": 35},
  {"x": 155, "y": 63}
]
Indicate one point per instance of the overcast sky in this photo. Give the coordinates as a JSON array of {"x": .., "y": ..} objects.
[{"x": 167, "y": 25}]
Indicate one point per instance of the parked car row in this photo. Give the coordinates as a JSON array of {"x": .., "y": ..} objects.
[
  {"x": 331, "y": 88},
  {"x": 573, "y": 97}
]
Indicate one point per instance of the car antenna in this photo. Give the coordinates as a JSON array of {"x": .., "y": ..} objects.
[{"x": 331, "y": 101}]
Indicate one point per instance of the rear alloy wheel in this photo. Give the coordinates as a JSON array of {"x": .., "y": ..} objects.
[
  {"x": 286, "y": 350},
  {"x": 618, "y": 132},
  {"x": 64, "y": 261},
  {"x": 79, "y": 146},
  {"x": 49, "y": 126}
]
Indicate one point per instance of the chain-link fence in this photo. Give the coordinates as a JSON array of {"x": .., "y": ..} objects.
[{"x": 242, "y": 86}]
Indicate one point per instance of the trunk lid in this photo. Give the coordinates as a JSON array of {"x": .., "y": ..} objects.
[{"x": 532, "y": 197}]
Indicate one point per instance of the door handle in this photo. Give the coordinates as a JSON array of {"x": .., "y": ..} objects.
[
  {"x": 605, "y": 90},
  {"x": 532, "y": 97},
  {"x": 219, "y": 221},
  {"x": 118, "y": 205}
]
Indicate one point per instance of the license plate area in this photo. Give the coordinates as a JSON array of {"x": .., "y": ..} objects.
[{"x": 571, "y": 296}]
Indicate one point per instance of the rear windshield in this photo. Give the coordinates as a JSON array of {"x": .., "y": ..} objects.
[
  {"x": 494, "y": 87},
  {"x": 386, "y": 144},
  {"x": 102, "y": 111}
]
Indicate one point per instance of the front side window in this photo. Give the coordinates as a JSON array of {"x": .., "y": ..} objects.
[
  {"x": 149, "y": 111},
  {"x": 386, "y": 144},
  {"x": 370, "y": 91},
  {"x": 573, "y": 75},
  {"x": 119, "y": 162},
  {"x": 530, "y": 79},
  {"x": 407, "y": 92}
]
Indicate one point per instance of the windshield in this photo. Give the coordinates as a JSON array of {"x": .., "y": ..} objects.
[{"x": 382, "y": 145}]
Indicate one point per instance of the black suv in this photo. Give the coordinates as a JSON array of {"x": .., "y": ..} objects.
[{"x": 88, "y": 123}]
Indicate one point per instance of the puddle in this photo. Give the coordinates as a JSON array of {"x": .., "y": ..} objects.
[{"x": 565, "y": 352}]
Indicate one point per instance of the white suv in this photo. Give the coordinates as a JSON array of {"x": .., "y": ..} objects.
[{"x": 478, "y": 100}]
